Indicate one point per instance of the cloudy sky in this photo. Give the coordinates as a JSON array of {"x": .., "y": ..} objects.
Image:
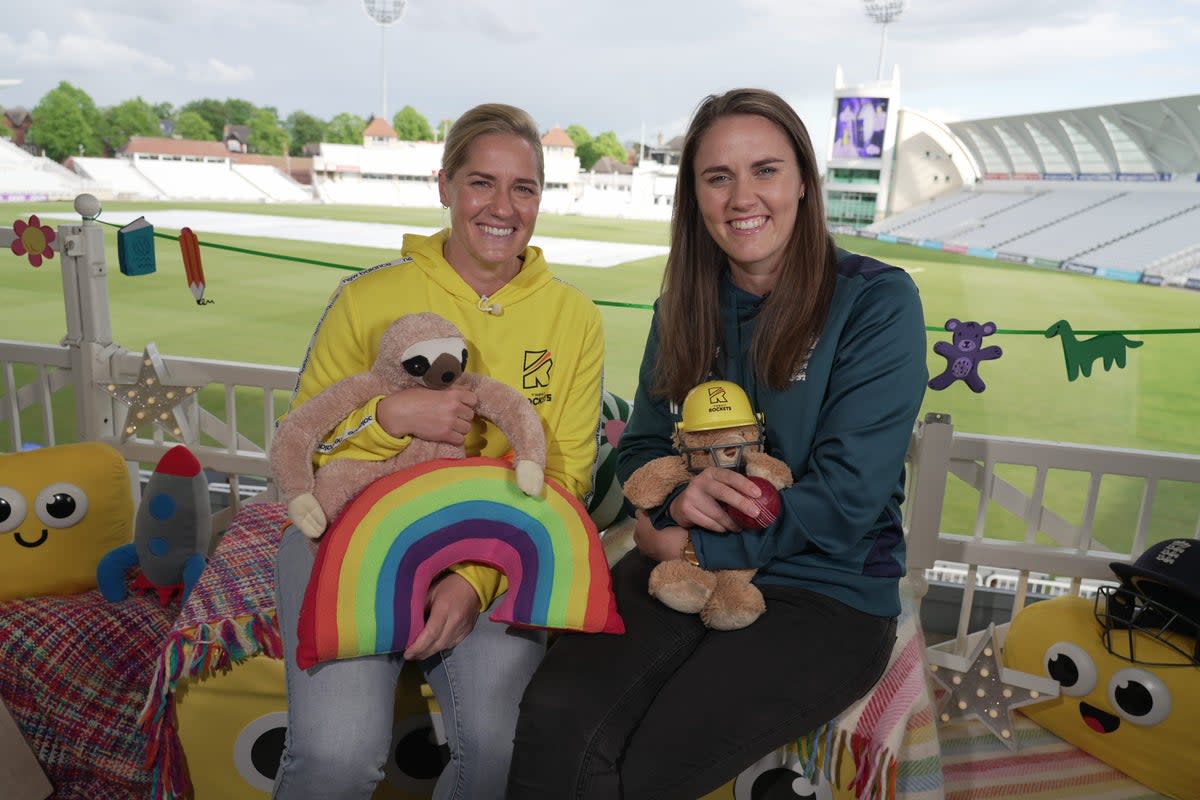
[{"x": 622, "y": 65}]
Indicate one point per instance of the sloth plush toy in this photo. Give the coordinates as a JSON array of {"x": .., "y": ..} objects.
[{"x": 416, "y": 350}]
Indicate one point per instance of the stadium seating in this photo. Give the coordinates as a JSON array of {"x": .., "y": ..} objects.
[
  {"x": 273, "y": 183},
  {"x": 198, "y": 180},
  {"x": 1042, "y": 209},
  {"x": 899, "y": 224},
  {"x": 355, "y": 190},
  {"x": 118, "y": 176},
  {"x": 34, "y": 177},
  {"x": 1123, "y": 214},
  {"x": 1135, "y": 250},
  {"x": 1107, "y": 225}
]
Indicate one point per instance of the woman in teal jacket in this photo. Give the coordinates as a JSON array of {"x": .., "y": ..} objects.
[{"x": 830, "y": 347}]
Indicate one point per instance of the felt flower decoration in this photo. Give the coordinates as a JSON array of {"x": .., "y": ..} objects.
[{"x": 33, "y": 239}]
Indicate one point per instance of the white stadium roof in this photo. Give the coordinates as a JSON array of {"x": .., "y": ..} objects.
[{"x": 1149, "y": 136}]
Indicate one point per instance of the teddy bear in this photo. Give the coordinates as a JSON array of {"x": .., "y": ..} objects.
[
  {"x": 719, "y": 428},
  {"x": 964, "y": 353},
  {"x": 422, "y": 349}
]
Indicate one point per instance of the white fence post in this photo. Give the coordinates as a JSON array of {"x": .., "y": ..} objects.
[{"x": 89, "y": 328}]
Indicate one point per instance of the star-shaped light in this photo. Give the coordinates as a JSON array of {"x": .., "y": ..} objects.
[
  {"x": 979, "y": 685},
  {"x": 152, "y": 399}
]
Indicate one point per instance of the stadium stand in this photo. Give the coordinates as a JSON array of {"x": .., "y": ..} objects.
[
  {"x": 356, "y": 190},
  {"x": 1171, "y": 234},
  {"x": 27, "y": 177},
  {"x": 1092, "y": 227},
  {"x": 898, "y": 223},
  {"x": 273, "y": 183},
  {"x": 1044, "y": 208},
  {"x": 953, "y": 219},
  {"x": 118, "y": 176},
  {"x": 1176, "y": 268},
  {"x": 1112, "y": 190},
  {"x": 198, "y": 180},
  {"x": 1109, "y": 226}
]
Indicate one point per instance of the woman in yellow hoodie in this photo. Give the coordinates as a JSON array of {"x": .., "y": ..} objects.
[{"x": 523, "y": 327}]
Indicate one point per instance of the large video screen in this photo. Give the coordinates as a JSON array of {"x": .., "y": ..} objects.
[{"x": 858, "y": 129}]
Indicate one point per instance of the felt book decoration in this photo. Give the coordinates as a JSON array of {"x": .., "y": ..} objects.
[
  {"x": 135, "y": 248},
  {"x": 376, "y": 562}
]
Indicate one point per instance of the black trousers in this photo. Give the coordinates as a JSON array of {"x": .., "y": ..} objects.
[{"x": 672, "y": 710}]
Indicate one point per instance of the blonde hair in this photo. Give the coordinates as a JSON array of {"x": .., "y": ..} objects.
[{"x": 491, "y": 118}]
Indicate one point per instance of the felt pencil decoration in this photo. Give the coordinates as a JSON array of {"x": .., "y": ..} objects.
[{"x": 189, "y": 246}]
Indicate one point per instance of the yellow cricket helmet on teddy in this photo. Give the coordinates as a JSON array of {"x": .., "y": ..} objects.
[{"x": 715, "y": 406}]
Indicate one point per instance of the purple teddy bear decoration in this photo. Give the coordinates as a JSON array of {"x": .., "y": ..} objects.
[{"x": 964, "y": 354}]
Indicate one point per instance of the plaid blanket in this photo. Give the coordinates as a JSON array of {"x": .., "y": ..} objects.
[
  {"x": 978, "y": 766},
  {"x": 74, "y": 671},
  {"x": 229, "y": 617},
  {"x": 890, "y": 733}
]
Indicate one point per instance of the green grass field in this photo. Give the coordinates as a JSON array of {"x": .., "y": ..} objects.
[{"x": 265, "y": 310}]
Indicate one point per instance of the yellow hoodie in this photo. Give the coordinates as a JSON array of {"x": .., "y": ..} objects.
[{"x": 547, "y": 342}]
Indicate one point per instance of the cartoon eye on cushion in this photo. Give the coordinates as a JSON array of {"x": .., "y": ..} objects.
[
  {"x": 233, "y": 725},
  {"x": 777, "y": 776},
  {"x": 1128, "y": 668},
  {"x": 61, "y": 509}
]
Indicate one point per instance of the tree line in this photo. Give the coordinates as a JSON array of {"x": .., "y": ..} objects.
[{"x": 67, "y": 122}]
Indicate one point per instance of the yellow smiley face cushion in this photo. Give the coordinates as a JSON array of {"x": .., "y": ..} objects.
[
  {"x": 61, "y": 509},
  {"x": 232, "y": 727},
  {"x": 1137, "y": 715}
]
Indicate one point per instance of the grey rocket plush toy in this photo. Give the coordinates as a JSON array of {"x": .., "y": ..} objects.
[{"x": 172, "y": 534}]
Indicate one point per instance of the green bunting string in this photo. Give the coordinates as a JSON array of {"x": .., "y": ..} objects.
[{"x": 649, "y": 306}]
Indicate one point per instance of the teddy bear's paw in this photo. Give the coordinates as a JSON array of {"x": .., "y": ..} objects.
[
  {"x": 774, "y": 471},
  {"x": 307, "y": 515},
  {"x": 681, "y": 586},
  {"x": 530, "y": 477},
  {"x": 733, "y": 605},
  {"x": 686, "y": 597}
]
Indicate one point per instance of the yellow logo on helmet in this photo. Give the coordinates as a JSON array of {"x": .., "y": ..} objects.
[{"x": 714, "y": 405}]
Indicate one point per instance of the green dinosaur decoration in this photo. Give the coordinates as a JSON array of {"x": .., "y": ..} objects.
[{"x": 1081, "y": 354}]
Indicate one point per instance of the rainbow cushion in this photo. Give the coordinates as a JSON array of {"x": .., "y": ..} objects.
[{"x": 376, "y": 562}]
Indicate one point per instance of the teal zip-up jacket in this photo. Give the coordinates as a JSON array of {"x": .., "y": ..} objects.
[{"x": 842, "y": 426}]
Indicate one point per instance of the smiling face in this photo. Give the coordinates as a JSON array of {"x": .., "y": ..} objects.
[
  {"x": 749, "y": 188},
  {"x": 1139, "y": 717},
  {"x": 61, "y": 509},
  {"x": 493, "y": 199},
  {"x": 724, "y": 447}
]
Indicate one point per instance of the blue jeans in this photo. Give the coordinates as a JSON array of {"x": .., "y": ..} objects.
[{"x": 341, "y": 713}]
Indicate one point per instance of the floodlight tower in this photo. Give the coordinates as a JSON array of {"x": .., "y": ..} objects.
[
  {"x": 384, "y": 12},
  {"x": 884, "y": 12}
]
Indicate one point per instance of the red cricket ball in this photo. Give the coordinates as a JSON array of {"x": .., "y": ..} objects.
[{"x": 768, "y": 507}]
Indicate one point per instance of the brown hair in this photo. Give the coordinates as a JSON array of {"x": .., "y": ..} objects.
[
  {"x": 790, "y": 319},
  {"x": 491, "y": 118}
]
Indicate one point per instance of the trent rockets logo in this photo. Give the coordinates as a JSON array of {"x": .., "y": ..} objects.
[
  {"x": 717, "y": 401},
  {"x": 535, "y": 374}
]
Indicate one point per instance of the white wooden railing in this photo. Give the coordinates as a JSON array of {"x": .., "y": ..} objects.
[
  {"x": 1055, "y": 555},
  {"x": 32, "y": 375}
]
